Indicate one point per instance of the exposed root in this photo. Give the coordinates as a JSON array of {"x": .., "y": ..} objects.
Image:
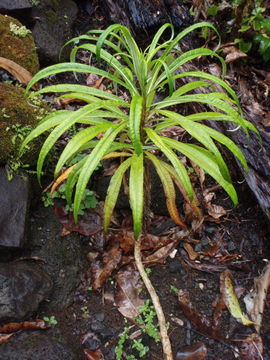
[{"x": 166, "y": 344}]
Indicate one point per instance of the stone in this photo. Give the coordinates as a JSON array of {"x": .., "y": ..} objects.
[
  {"x": 17, "y": 118},
  {"x": 20, "y": 49},
  {"x": 53, "y": 28},
  {"x": 37, "y": 345},
  {"x": 14, "y": 200},
  {"x": 23, "y": 286},
  {"x": 15, "y": 4}
]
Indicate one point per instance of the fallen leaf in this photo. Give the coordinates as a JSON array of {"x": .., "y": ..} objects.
[
  {"x": 160, "y": 255},
  {"x": 88, "y": 224},
  {"x": 93, "y": 355},
  {"x": 61, "y": 178},
  {"x": 196, "y": 351},
  {"x": 251, "y": 348},
  {"x": 19, "y": 72},
  {"x": 209, "y": 268},
  {"x": 127, "y": 297},
  {"x": 230, "y": 299},
  {"x": 198, "y": 320},
  {"x": 216, "y": 211},
  {"x": 255, "y": 300},
  {"x": 232, "y": 53},
  {"x": 25, "y": 325},
  {"x": 101, "y": 270},
  {"x": 4, "y": 337},
  {"x": 192, "y": 254}
]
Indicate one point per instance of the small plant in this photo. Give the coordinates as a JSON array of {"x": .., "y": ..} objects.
[
  {"x": 89, "y": 200},
  {"x": 135, "y": 136},
  {"x": 50, "y": 320},
  {"x": 146, "y": 322},
  {"x": 20, "y": 31}
]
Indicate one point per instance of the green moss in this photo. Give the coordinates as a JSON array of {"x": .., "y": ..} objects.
[
  {"x": 19, "y": 49},
  {"x": 17, "y": 118},
  {"x": 51, "y": 17}
]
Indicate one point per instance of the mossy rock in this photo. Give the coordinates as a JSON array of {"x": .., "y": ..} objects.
[
  {"x": 16, "y": 46},
  {"x": 17, "y": 119}
]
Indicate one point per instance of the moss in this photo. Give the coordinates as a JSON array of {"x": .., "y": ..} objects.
[
  {"x": 19, "y": 49},
  {"x": 51, "y": 17},
  {"x": 17, "y": 118}
]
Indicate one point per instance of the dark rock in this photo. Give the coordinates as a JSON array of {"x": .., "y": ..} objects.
[
  {"x": 64, "y": 257},
  {"x": 15, "y": 4},
  {"x": 175, "y": 266},
  {"x": 198, "y": 247},
  {"x": 231, "y": 246},
  {"x": 37, "y": 345},
  {"x": 91, "y": 341},
  {"x": 22, "y": 287},
  {"x": 14, "y": 199},
  {"x": 53, "y": 28}
]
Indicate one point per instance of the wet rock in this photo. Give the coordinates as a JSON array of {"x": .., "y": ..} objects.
[
  {"x": 91, "y": 341},
  {"x": 37, "y": 345},
  {"x": 15, "y": 4},
  {"x": 53, "y": 28},
  {"x": 17, "y": 119},
  {"x": 14, "y": 200},
  {"x": 17, "y": 45},
  {"x": 64, "y": 256},
  {"x": 23, "y": 285}
]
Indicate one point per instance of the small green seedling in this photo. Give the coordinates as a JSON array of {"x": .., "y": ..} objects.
[{"x": 50, "y": 320}]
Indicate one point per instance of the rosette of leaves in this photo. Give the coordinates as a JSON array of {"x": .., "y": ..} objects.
[{"x": 131, "y": 127}]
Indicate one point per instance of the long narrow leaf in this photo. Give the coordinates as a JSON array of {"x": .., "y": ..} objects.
[
  {"x": 91, "y": 163},
  {"x": 113, "y": 191},
  {"x": 206, "y": 161},
  {"x": 177, "y": 164},
  {"x": 135, "y": 118},
  {"x": 136, "y": 192},
  {"x": 168, "y": 188}
]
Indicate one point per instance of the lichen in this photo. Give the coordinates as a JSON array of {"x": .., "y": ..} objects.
[
  {"x": 22, "y": 50},
  {"x": 17, "y": 118},
  {"x": 20, "y": 31}
]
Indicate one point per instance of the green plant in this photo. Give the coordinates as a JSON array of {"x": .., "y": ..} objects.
[
  {"x": 146, "y": 322},
  {"x": 139, "y": 77},
  {"x": 51, "y": 320},
  {"x": 89, "y": 200}
]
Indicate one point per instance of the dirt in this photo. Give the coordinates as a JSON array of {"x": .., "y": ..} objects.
[{"x": 94, "y": 322}]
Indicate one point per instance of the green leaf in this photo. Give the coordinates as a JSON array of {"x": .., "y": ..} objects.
[
  {"x": 177, "y": 164},
  {"x": 168, "y": 188},
  {"x": 136, "y": 192},
  {"x": 113, "y": 191},
  {"x": 135, "y": 118},
  {"x": 206, "y": 161},
  {"x": 78, "y": 140},
  {"x": 91, "y": 163}
]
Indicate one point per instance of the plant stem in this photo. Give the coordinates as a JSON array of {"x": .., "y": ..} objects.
[{"x": 166, "y": 344}]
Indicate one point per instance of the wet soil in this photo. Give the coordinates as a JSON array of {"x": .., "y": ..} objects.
[{"x": 92, "y": 321}]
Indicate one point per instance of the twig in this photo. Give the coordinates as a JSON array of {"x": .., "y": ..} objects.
[{"x": 166, "y": 344}]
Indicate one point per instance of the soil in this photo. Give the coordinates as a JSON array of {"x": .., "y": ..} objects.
[{"x": 92, "y": 320}]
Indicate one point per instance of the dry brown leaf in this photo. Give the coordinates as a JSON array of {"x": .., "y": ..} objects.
[
  {"x": 192, "y": 254},
  {"x": 25, "y": 325},
  {"x": 198, "y": 320},
  {"x": 266, "y": 120},
  {"x": 101, "y": 270},
  {"x": 233, "y": 53},
  {"x": 127, "y": 298},
  {"x": 216, "y": 211},
  {"x": 19, "y": 72},
  {"x": 5, "y": 337},
  {"x": 255, "y": 300},
  {"x": 251, "y": 348},
  {"x": 93, "y": 355},
  {"x": 159, "y": 256},
  {"x": 196, "y": 351}
]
